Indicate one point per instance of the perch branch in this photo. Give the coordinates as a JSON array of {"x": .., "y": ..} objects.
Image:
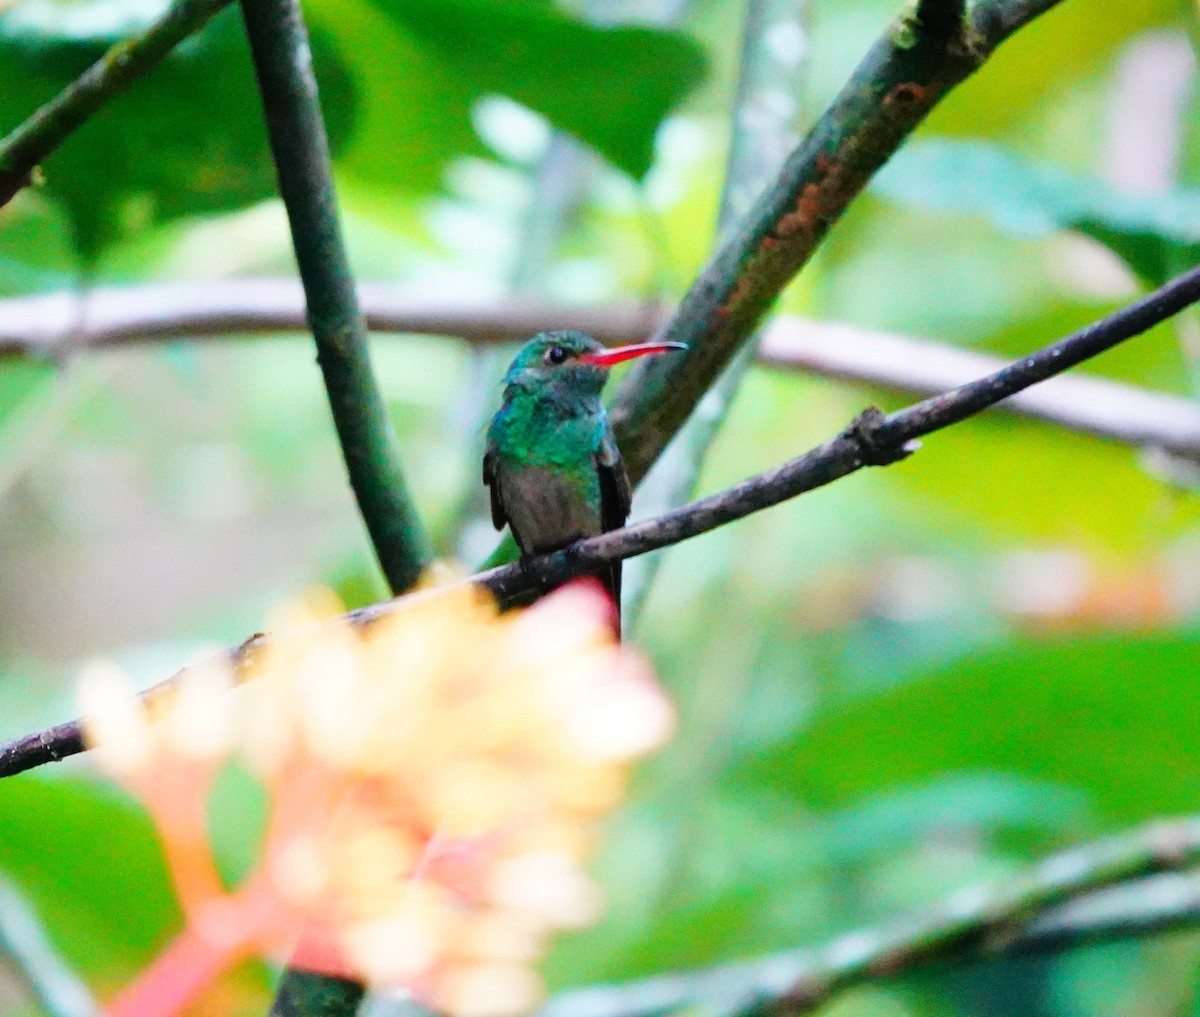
[
  {"x": 900, "y": 80},
  {"x": 283, "y": 65},
  {"x": 32, "y": 141},
  {"x": 1088, "y": 893},
  {"x": 872, "y": 439}
]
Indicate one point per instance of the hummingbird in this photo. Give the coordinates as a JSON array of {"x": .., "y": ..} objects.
[{"x": 552, "y": 462}]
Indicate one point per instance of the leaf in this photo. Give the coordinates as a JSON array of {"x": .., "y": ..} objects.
[
  {"x": 966, "y": 801},
  {"x": 1058, "y": 55},
  {"x": 1099, "y": 715},
  {"x": 405, "y": 91},
  {"x": 90, "y": 863},
  {"x": 1151, "y": 232},
  {"x": 425, "y": 63},
  {"x": 1018, "y": 480},
  {"x": 157, "y": 152}
]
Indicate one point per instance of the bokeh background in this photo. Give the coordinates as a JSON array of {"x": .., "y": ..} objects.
[{"x": 911, "y": 680}]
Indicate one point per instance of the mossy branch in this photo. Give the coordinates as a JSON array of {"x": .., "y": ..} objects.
[{"x": 930, "y": 49}]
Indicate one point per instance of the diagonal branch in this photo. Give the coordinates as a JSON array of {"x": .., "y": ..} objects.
[
  {"x": 773, "y": 64},
  {"x": 901, "y": 79},
  {"x": 1065, "y": 900},
  {"x": 1077, "y": 402},
  {"x": 283, "y": 65},
  {"x": 872, "y": 439},
  {"x": 31, "y": 142}
]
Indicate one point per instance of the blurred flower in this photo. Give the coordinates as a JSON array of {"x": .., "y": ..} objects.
[{"x": 435, "y": 778}]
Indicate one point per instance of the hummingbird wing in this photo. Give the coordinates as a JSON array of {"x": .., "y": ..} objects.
[
  {"x": 499, "y": 518},
  {"x": 615, "y": 499}
]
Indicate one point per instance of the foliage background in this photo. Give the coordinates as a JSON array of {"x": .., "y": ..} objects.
[{"x": 889, "y": 688}]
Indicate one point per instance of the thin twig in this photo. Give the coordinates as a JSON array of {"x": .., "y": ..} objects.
[
  {"x": 283, "y": 65},
  {"x": 901, "y": 79},
  {"x": 34, "y": 326},
  {"x": 1064, "y": 901},
  {"x": 23, "y": 941},
  {"x": 31, "y": 142},
  {"x": 872, "y": 439}
]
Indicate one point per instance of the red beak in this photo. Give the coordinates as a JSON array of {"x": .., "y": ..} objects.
[{"x": 606, "y": 358}]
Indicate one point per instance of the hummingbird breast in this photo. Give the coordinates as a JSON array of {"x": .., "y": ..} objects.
[{"x": 549, "y": 507}]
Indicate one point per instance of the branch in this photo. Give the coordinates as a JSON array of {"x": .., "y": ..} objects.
[
  {"x": 40, "y": 326},
  {"x": 872, "y": 439},
  {"x": 1082, "y": 895},
  {"x": 1090, "y": 405},
  {"x": 901, "y": 79},
  {"x": 775, "y": 43},
  {"x": 283, "y": 65},
  {"x": 308, "y": 994},
  {"x": 37, "y": 326},
  {"x": 942, "y": 18},
  {"x": 31, "y": 142}
]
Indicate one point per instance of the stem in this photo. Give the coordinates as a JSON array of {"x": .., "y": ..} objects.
[
  {"x": 901, "y": 79},
  {"x": 31, "y": 142},
  {"x": 283, "y": 64},
  {"x": 872, "y": 439},
  {"x": 944, "y": 18}
]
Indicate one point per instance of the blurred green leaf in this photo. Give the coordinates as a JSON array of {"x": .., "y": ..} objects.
[
  {"x": 155, "y": 154},
  {"x": 610, "y": 87},
  {"x": 1151, "y": 232},
  {"x": 35, "y": 249},
  {"x": 159, "y": 152},
  {"x": 1020, "y": 480},
  {"x": 1100, "y": 715},
  {"x": 1049, "y": 63},
  {"x": 995, "y": 803},
  {"x": 425, "y": 63},
  {"x": 89, "y": 861}
]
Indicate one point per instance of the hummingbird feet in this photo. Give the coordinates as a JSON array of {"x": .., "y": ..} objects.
[{"x": 866, "y": 431}]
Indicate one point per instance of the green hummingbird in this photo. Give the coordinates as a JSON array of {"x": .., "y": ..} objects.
[{"x": 552, "y": 463}]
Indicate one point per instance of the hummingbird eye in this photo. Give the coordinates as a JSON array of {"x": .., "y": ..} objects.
[{"x": 555, "y": 355}]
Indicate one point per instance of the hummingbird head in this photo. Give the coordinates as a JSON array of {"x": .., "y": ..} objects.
[{"x": 572, "y": 363}]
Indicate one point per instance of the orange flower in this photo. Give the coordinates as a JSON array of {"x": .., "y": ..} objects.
[{"x": 435, "y": 780}]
